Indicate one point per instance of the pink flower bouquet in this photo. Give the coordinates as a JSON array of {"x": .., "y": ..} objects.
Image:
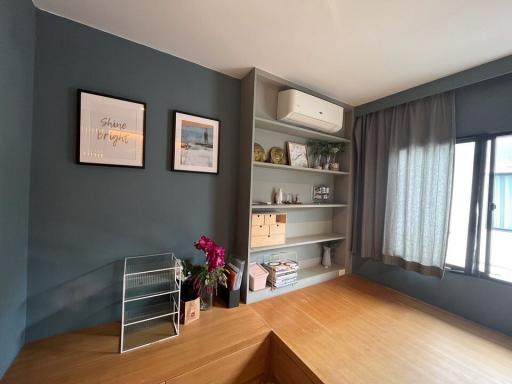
[{"x": 212, "y": 272}]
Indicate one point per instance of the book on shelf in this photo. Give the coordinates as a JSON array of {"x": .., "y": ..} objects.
[
  {"x": 285, "y": 284},
  {"x": 235, "y": 268},
  {"x": 282, "y": 282},
  {"x": 288, "y": 276},
  {"x": 231, "y": 277}
]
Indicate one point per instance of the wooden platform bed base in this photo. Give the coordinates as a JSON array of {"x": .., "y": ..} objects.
[{"x": 347, "y": 330}]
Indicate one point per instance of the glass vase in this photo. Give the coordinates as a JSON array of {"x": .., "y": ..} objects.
[
  {"x": 325, "y": 161},
  {"x": 206, "y": 298},
  {"x": 334, "y": 161},
  {"x": 316, "y": 161}
]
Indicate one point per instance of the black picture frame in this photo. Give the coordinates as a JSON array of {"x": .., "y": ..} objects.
[
  {"x": 174, "y": 166},
  {"x": 81, "y": 91}
]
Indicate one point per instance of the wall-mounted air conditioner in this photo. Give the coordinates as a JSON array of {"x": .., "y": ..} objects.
[{"x": 297, "y": 107}]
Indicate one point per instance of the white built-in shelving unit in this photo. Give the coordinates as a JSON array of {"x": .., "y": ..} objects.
[
  {"x": 308, "y": 224},
  {"x": 265, "y": 207},
  {"x": 298, "y": 169}
]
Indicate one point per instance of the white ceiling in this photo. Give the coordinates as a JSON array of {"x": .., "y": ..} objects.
[{"x": 353, "y": 50}]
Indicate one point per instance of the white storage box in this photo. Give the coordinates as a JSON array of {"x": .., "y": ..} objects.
[{"x": 257, "y": 277}]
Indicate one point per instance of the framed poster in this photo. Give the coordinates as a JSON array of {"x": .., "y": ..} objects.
[
  {"x": 111, "y": 130},
  {"x": 196, "y": 143},
  {"x": 298, "y": 155}
]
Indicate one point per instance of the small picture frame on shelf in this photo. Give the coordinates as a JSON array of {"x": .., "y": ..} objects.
[
  {"x": 196, "y": 143},
  {"x": 297, "y": 154},
  {"x": 111, "y": 130},
  {"x": 321, "y": 194}
]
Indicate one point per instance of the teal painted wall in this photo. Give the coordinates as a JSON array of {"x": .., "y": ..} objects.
[
  {"x": 86, "y": 219},
  {"x": 17, "y": 42}
]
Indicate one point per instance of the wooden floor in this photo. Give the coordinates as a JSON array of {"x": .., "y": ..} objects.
[
  {"x": 92, "y": 356},
  {"x": 347, "y": 330}
]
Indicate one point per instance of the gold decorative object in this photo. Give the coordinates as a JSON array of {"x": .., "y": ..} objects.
[
  {"x": 259, "y": 153},
  {"x": 277, "y": 156}
]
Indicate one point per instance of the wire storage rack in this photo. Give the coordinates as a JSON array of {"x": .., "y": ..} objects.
[{"x": 151, "y": 300}]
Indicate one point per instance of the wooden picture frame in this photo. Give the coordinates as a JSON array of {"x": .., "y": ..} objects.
[
  {"x": 111, "y": 130},
  {"x": 196, "y": 143},
  {"x": 297, "y": 154}
]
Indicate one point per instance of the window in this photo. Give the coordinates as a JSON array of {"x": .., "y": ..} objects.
[
  {"x": 480, "y": 235},
  {"x": 461, "y": 200},
  {"x": 503, "y": 199}
]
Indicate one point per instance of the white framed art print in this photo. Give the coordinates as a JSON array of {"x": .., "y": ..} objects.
[{"x": 111, "y": 130}]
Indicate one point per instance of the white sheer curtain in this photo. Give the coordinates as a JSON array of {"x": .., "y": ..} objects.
[
  {"x": 403, "y": 159},
  {"x": 419, "y": 188}
]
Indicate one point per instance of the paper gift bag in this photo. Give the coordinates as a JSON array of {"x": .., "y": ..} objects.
[{"x": 189, "y": 311}]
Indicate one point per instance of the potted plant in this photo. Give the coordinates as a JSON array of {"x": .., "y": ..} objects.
[
  {"x": 319, "y": 151},
  {"x": 315, "y": 153},
  {"x": 208, "y": 276},
  {"x": 334, "y": 149},
  {"x": 323, "y": 154},
  {"x": 327, "y": 247}
]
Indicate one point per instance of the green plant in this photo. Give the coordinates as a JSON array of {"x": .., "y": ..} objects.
[
  {"x": 324, "y": 148},
  {"x": 208, "y": 280},
  {"x": 315, "y": 147},
  {"x": 212, "y": 273},
  {"x": 187, "y": 268},
  {"x": 336, "y": 147}
]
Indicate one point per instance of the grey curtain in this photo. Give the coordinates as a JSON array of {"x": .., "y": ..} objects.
[{"x": 403, "y": 160}]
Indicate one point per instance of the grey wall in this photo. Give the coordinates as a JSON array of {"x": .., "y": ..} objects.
[
  {"x": 484, "y": 107},
  {"x": 483, "y": 301},
  {"x": 84, "y": 219},
  {"x": 471, "y": 76},
  {"x": 17, "y": 42}
]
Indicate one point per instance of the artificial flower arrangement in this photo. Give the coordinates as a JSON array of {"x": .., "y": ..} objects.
[{"x": 208, "y": 276}]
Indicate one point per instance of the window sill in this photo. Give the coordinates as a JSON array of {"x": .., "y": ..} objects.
[{"x": 484, "y": 277}]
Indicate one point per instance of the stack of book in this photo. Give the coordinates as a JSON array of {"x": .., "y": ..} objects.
[{"x": 281, "y": 273}]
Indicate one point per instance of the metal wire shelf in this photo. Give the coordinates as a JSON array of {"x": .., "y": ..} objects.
[
  {"x": 151, "y": 296},
  {"x": 150, "y": 312}
]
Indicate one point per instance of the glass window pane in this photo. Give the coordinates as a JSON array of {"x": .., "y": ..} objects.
[
  {"x": 485, "y": 209},
  {"x": 502, "y": 219},
  {"x": 501, "y": 232},
  {"x": 461, "y": 200}
]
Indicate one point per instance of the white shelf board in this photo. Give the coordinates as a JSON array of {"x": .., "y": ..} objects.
[
  {"x": 300, "y": 169},
  {"x": 302, "y": 240},
  {"x": 296, "y": 206},
  {"x": 150, "y": 312},
  {"x": 143, "y": 296},
  {"x": 293, "y": 130},
  {"x": 306, "y": 277}
]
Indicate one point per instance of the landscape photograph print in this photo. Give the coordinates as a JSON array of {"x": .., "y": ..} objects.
[{"x": 196, "y": 143}]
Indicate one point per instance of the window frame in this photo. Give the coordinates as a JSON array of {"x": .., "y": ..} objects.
[
  {"x": 473, "y": 241},
  {"x": 452, "y": 267}
]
